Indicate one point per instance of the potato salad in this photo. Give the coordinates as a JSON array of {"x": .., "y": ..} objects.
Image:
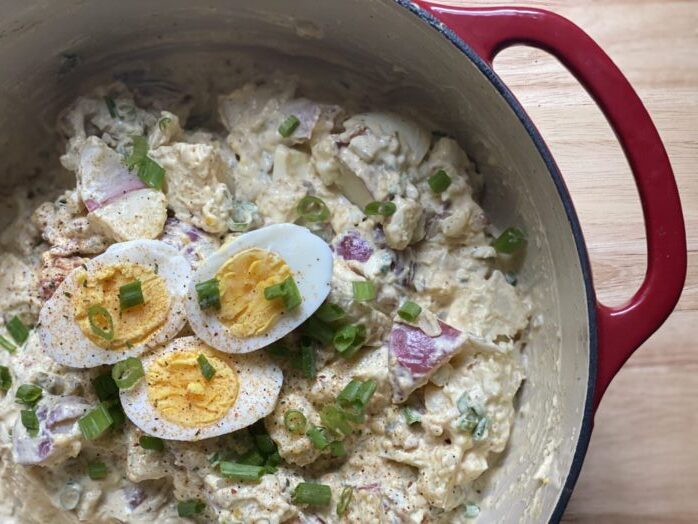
[{"x": 291, "y": 313}]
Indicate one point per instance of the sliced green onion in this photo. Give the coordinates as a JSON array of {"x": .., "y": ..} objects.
[
  {"x": 287, "y": 291},
  {"x": 468, "y": 421},
  {"x": 409, "y": 311},
  {"x": 151, "y": 443},
  {"x": 510, "y": 241},
  {"x": 138, "y": 153},
  {"x": 127, "y": 373},
  {"x": 18, "y": 330},
  {"x": 207, "y": 370},
  {"x": 236, "y": 471},
  {"x": 30, "y": 421},
  {"x": 329, "y": 312},
  {"x": 289, "y": 125},
  {"x": 312, "y": 494},
  {"x": 131, "y": 295},
  {"x": 28, "y": 394},
  {"x": 189, "y": 508},
  {"x": 295, "y": 421},
  {"x": 380, "y": 208},
  {"x": 163, "y": 123},
  {"x": 273, "y": 460},
  {"x": 337, "y": 449},
  {"x": 95, "y": 422},
  {"x": 349, "y": 394},
  {"x": 209, "y": 294},
  {"x": 97, "y": 470},
  {"x": 278, "y": 350},
  {"x": 412, "y": 416},
  {"x": 439, "y": 181},
  {"x": 471, "y": 510},
  {"x": 105, "y": 387},
  {"x": 149, "y": 171},
  {"x": 5, "y": 378},
  {"x": 98, "y": 316},
  {"x": 9, "y": 346},
  {"x": 366, "y": 391},
  {"x": 344, "y": 500},
  {"x": 313, "y": 209},
  {"x": 480, "y": 429},
  {"x": 317, "y": 329},
  {"x": 354, "y": 413},
  {"x": 364, "y": 291},
  {"x": 111, "y": 106},
  {"x": 356, "y": 345},
  {"x": 264, "y": 443},
  {"x": 345, "y": 337},
  {"x": 318, "y": 436},
  {"x": 308, "y": 360},
  {"x": 335, "y": 420},
  {"x": 252, "y": 458},
  {"x": 117, "y": 415}
]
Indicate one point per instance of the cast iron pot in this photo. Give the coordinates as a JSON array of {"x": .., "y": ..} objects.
[{"x": 439, "y": 60}]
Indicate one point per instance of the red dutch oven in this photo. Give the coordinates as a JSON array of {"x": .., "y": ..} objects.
[{"x": 436, "y": 60}]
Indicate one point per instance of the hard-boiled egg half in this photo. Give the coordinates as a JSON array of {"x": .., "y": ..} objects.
[
  {"x": 193, "y": 392},
  {"x": 259, "y": 287},
  {"x": 119, "y": 304}
]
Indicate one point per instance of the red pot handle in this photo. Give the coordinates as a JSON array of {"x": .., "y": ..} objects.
[{"x": 621, "y": 330}]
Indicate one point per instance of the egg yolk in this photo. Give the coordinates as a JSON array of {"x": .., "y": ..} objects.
[
  {"x": 132, "y": 326},
  {"x": 242, "y": 280},
  {"x": 181, "y": 394}
]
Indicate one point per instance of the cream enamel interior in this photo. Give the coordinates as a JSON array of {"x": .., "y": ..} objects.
[{"x": 50, "y": 51}]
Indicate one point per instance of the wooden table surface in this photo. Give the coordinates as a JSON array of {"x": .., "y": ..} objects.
[{"x": 642, "y": 465}]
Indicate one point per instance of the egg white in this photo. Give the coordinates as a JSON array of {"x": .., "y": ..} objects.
[
  {"x": 61, "y": 336},
  {"x": 260, "y": 383},
  {"x": 310, "y": 260}
]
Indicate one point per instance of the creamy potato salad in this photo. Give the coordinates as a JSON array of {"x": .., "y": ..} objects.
[{"x": 301, "y": 315}]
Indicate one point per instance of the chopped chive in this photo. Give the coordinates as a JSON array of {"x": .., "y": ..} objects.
[
  {"x": 349, "y": 394},
  {"x": 151, "y": 443},
  {"x": 335, "y": 420},
  {"x": 101, "y": 322},
  {"x": 28, "y": 394},
  {"x": 131, "y": 295},
  {"x": 18, "y": 330},
  {"x": 9, "y": 346},
  {"x": 97, "y": 470},
  {"x": 329, "y": 312},
  {"x": 364, "y": 291},
  {"x": 208, "y": 293},
  {"x": 409, "y": 311},
  {"x": 312, "y": 494},
  {"x": 30, "y": 421},
  {"x": 252, "y": 458},
  {"x": 344, "y": 500},
  {"x": 245, "y": 472},
  {"x": 289, "y": 125},
  {"x": 313, "y": 209},
  {"x": 127, "y": 373},
  {"x": 318, "y": 436},
  {"x": 319, "y": 330},
  {"x": 111, "y": 106},
  {"x": 439, "y": 181},
  {"x": 510, "y": 241},
  {"x": 264, "y": 443},
  {"x": 366, "y": 391},
  {"x": 308, "y": 360},
  {"x": 471, "y": 510},
  {"x": 295, "y": 421},
  {"x": 95, "y": 422},
  {"x": 5, "y": 378},
  {"x": 287, "y": 291},
  {"x": 189, "y": 508},
  {"x": 412, "y": 416},
  {"x": 207, "y": 370},
  {"x": 337, "y": 449},
  {"x": 105, "y": 387},
  {"x": 380, "y": 208}
]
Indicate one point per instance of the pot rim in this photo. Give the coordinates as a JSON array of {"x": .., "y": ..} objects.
[{"x": 563, "y": 193}]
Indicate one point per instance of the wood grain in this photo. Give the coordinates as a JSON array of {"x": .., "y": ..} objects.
[{"x": 642, "y": 464}]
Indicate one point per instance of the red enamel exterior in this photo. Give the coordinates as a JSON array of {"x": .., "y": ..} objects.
[{"x": 621, "y": 330}]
